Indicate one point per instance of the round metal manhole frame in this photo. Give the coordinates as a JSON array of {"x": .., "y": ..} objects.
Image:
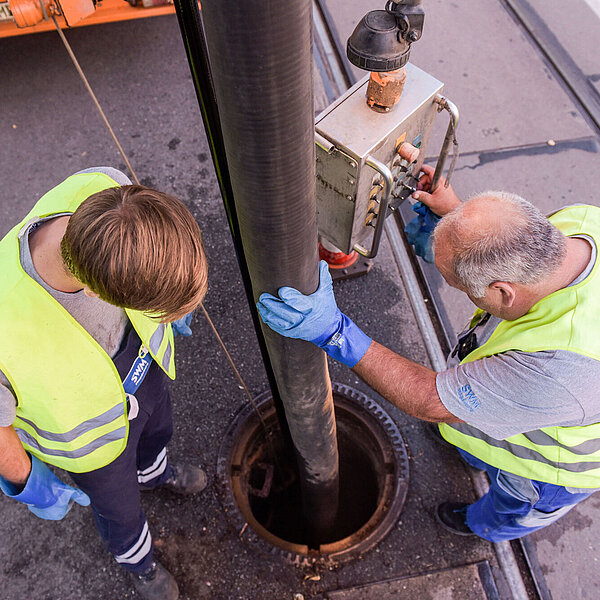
[{"x": 391, "y": 500}]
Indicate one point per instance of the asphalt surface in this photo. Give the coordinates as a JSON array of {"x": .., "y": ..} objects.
[{"x": 512, "y": 103}]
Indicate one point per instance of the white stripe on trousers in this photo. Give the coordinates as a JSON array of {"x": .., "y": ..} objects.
[
  {"x": 156, "y": 469},
  {"x": 139, "y": 550}
]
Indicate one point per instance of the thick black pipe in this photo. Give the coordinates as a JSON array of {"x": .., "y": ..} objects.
[
  {"x": 261, "y": 63},
  {"x": 192, "y": 32}
]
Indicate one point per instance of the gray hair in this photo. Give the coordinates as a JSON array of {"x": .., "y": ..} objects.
[{"x": 515, "y": 243}]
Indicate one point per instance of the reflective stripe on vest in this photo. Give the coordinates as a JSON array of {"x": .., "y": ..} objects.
[
  {"x": 108, "y": 417},
  {"x": 157, "y": 337},
  {"x": 98, "y": 443},
  {"x": 71, "y": 406},
  {"x": 564, "y": 320}
]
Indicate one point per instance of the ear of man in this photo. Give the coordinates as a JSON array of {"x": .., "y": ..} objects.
[{"x": 505, "y": 292}]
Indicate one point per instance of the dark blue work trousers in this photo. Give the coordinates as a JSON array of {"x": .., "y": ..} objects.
[
  {"x": 515, "y": 506},
  {"x": 114, "y": 490}
]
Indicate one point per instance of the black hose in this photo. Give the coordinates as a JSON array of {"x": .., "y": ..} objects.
[
  {"x": 192, "y": 31},
  {"x": 261, "y": 64}
]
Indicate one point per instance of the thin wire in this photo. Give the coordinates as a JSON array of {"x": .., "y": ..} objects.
[
  {"x": 135, "y": 178},
  {"x": 237, "y": 373},
  {"x": 89, "y": 89}
]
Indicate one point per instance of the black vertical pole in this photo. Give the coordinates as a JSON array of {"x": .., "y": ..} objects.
[{"x": 261, "y": 64}]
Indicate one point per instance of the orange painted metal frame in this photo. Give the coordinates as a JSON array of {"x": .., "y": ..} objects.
[{"x": 107, "y": 11}]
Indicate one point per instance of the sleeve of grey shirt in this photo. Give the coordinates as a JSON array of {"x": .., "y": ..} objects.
[
  {"x": 8, "y": 403},
  {"x": 515, "y": 392},
  {"x": 113, "y": 173}
]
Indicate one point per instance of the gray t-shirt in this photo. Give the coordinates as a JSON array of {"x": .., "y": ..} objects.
[
  {"x": 514, "y": 392},
  {"x": 104, "y": 322}
]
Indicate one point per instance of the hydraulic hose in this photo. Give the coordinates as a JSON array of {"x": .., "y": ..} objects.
[
  {"x": 261, "y": 64},
  {"x": 192, "y": 32}
]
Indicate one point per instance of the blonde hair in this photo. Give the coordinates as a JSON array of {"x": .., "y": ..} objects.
[{"x": 138, "y": 248}]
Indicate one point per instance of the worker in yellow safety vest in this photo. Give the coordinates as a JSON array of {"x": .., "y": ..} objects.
[
  {"x": 96, "y": 281},
  {"x": 519, "y": 395}
]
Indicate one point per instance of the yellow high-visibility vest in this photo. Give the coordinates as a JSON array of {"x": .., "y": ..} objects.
[
  {"x": 71, "y": 406},
  {"x": 567, "y": 319}
]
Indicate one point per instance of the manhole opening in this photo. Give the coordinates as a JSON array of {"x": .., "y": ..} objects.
[
  {"x": 362, "y": 474},
  {"x": 262, "y": 496}
]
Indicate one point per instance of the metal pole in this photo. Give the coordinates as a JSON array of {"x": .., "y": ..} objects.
[
  {"x": 449, "y": 139},
  {"x": 261, "y": 65}
]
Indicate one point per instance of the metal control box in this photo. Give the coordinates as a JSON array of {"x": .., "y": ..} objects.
[{"x": 357, "y": 152}]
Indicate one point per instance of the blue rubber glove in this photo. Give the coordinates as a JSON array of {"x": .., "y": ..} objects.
[
  {"x": 315, "y": 318},
  {"x": 182, "y": 326},
  {"x": 418, "y": 231},
  {"x": 46, "y": 496}
]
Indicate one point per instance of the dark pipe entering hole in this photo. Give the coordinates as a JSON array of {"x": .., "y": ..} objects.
[
  {"x": 274, "y": 493},
  {"x": 261, "y": 496}
]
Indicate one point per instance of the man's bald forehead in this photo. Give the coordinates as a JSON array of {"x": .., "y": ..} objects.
[
  {"x": 481, "y": 216},
  {"x": 485, "y": 214},
  {"x": 497, "y": 236}
]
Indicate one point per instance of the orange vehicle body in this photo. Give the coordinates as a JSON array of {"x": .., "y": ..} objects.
[{"x": 29, "y": 17}]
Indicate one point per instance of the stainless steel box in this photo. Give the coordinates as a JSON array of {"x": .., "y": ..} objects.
[{"x": 348, "y": 134}]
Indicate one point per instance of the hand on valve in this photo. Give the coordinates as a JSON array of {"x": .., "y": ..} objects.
[
  {"x": 443, "y": 199},
  {"x": 429, "y": 208}
]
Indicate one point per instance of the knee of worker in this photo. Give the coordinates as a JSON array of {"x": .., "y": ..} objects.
[
  {"x": 121, "y": 513},
  {"x": 489, "y": 524},
  {"x": 511, "y": 510},
  {"x": 493, "y": 516},
  {"x": 113, "y": 497},
  {"x": 536, "y": 518},
  {"x": 120, "y": 532},
  {"x": 512, "y": 527}
]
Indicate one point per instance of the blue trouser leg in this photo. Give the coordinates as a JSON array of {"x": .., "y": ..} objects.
[
  {"x": 515, "y": 506},
  {"x": 152, "y": 462},
  {"x": 114, "y": 490}
]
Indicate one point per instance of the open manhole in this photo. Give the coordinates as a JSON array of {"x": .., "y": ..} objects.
[{"x": 262, "y": 496}]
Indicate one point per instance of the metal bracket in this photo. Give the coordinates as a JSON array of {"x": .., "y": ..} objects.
[
  {"x": 388, "y": 182},
  {"x": 265, "y": 490},
  {"x": 409, "y": 15},
  {"x": 445, "y": 104}
]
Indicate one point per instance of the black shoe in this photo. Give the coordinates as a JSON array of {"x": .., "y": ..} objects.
[
  {"x": 453, "y": 517},
  {"x": 185, "y": 479},
  {"x": 156, "y": 584}
]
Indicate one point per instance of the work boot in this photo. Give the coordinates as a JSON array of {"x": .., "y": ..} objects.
[
  {"x": 453, "y": 517},
  {"x": 156, "y": 584},
  {"x": 185, "y": 479}
]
